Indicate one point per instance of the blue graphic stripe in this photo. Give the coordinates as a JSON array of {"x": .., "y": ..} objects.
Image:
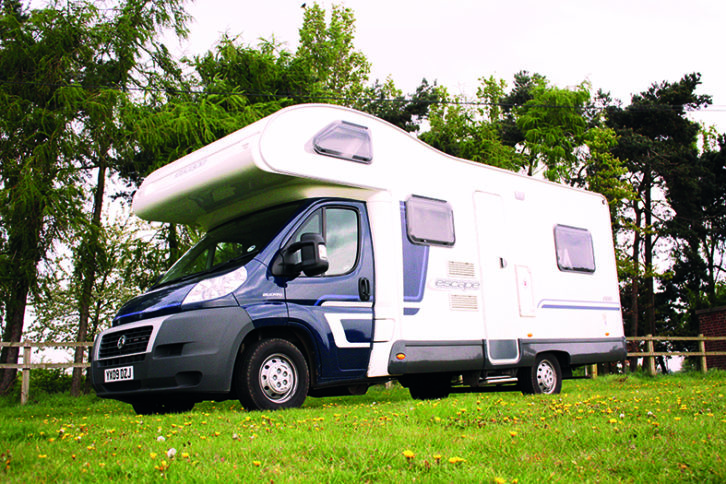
[
  {"x": 415, "y": 264},
  {"x": 583, "y": 308}
]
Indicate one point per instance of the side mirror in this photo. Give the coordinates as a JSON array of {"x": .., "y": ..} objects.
[{"x": 312, "y": 259}]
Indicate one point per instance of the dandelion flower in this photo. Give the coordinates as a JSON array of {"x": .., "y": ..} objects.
[
  {"x": 408, "y": 454},
  {"x": 256, "y": 463},
  {"x": 456, "y": 460}
]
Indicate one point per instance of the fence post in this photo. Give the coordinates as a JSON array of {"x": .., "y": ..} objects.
[
  {"x": 702, "y": 349},
  {"x": 650, "y": 359},
  {"x": 592, "y": 370},
  {"x": 25, "y": 386}
]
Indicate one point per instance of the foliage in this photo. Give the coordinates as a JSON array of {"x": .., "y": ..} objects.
[
  {"x": 43, "y": 383},
  {"x": 614, "y": 429},
  {"x": 553, "y": 127},
  {"x": 387, "y": 102},
  {"x": 459, "y": 129},
  {"x": 327, "y": 51}
]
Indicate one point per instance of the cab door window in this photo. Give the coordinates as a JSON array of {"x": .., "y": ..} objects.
[{"x": 339, "y": 228}]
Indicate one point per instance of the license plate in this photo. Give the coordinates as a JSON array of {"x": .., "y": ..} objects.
[{"x": 119, "y": 374}]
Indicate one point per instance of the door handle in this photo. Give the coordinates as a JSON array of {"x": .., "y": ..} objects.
[{"x": 364, "y": 289}]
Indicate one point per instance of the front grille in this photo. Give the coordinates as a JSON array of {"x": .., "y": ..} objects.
[{"x": 125, "y": 342}]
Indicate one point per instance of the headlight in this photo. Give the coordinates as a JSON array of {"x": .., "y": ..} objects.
[{"x": 215, "y": 287}]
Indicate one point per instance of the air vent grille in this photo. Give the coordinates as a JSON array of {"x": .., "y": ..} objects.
[
  {"x": 461, "y": 269},
  {"x": 464, "y": 303}
]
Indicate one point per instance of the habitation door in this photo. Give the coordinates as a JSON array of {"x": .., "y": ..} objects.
[{"x": 501, "y": 320}]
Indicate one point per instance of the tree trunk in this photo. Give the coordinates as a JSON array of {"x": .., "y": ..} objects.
[
  {"x": 635, "y": 284},
  {"x": 24, "y": 247},
  {"x": 89, "y": 262},
  {"x": 173, "y": 241},
  {"x": 13, "y": 331},
  {"x": 649, "y": 279}
]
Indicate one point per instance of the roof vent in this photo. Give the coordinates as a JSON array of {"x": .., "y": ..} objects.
[{"x": 345, "y": 140}]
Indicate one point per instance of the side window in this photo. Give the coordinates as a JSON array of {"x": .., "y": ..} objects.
[
  {"x": 339, "y": 228},
  {"x": 430, "y": 221},
  {"x": 574, "y": 249},
  {"x": 341, "y": 239}
]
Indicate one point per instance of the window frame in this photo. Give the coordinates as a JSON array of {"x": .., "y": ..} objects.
[
  {"x": 413, "y": 232},
  {"x": 571, "y": 229}
]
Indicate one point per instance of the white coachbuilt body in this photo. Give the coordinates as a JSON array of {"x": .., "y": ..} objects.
[{"x": 476, "y": 271}]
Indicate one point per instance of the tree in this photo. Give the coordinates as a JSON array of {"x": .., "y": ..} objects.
[
  {"x": 41, "y": 57},
  {"x": 72, "y": 62},
  {"x": 327, "y": 52},
  {"x": 553, "y": 126},
  {"x": 658, "y": 144},
  {"x": 697, "y": 194},
  {"x": 119, "y": 39}
]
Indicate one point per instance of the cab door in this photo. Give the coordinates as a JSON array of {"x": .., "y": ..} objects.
[{"x": 337, "y": 306}]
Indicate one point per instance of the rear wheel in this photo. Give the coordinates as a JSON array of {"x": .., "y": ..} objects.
[
  {"x": 544, "y": 377},
  {"x": 272, "y": 375}
]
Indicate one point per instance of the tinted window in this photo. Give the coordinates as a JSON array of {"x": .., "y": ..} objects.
[
  {"x": 429, "y": 221},
  {"x": 574, "y": 249}
]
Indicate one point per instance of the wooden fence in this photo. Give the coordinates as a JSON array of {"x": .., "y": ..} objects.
[
  {"x": 27, "y": 364},
  {"x": 649, "y": 355}
]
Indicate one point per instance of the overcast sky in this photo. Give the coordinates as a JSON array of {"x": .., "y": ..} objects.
[{"x": 621, "y": 46}]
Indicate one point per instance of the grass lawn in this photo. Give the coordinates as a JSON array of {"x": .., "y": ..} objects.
[{"x": 613, "y": 429}]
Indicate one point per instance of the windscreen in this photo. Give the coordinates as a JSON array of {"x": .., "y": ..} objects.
[{"x": 233, "y": 243}]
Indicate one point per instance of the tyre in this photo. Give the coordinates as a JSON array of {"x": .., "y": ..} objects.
[
  {"x": 149, "y": 407},
  {"x": 544, "y": 377},
  {"x": 430, "y": 387},
  {"x": 272, "y": 374}
]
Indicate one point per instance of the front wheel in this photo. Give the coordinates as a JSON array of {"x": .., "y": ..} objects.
[
  {"x": 272, "y": 375},
  {"x": 544, "y": 377}
]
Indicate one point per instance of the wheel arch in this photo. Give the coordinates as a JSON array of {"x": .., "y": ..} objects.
[{"x": 295, "y": 335}]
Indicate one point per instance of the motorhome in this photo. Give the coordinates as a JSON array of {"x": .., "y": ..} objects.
[{"x": 341, "y": 251}]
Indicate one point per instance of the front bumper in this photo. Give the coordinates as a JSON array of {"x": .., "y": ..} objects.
[{"x": 190, "y": 353}]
